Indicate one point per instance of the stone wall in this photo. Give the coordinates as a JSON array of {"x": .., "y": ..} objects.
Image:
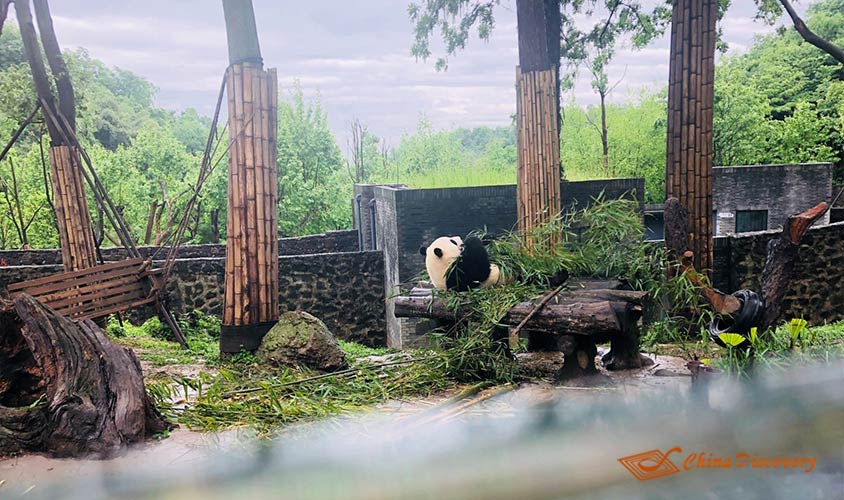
[
  {"x": 332, "y": 241},
  {"x": 817, "y": 290},
  {"x": 782, "y": 190},
  {"x": 345, "y": 290}
]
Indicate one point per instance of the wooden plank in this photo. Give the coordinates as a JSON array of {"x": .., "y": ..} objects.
[
  {"x": 124, "y": 299},
  {"x": 60, "y": 284},
  {"x": 94, "y": 297},
  {"x": 77, "y": 293},
  {"x": 76, "y": 274},
  {"x": 101, "y": 313}
]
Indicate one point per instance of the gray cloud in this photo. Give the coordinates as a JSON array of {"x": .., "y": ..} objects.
[{"x": 352, "y": 54}]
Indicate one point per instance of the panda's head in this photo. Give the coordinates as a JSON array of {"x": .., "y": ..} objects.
[{"x": 438, "y": 257}]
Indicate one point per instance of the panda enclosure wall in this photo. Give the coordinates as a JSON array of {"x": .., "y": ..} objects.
[{"x": 328, "y": 275}]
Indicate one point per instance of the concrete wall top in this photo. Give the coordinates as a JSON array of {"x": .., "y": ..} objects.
[{"x": 331, "y": 241}]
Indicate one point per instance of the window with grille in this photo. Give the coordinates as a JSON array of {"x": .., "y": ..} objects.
[{"x": 751, "y": 220}]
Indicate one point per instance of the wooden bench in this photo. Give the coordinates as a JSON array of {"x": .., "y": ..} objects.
[
  {"x": 585, "y": 315},
  {"x": 95, "y": 292}
]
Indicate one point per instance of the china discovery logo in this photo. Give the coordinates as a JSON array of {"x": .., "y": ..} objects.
[
  {"x": 654, "y": 463},
  {"x": 651, "y": 464}
]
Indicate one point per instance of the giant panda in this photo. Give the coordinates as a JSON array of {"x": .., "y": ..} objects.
[{"x": 471, "y": 266}]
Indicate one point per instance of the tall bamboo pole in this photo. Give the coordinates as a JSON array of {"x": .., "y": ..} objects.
[
  {"x": 251, "y": 274},
  {"x": 538, "y": 116},
  {"x": 688, "y": 170}
]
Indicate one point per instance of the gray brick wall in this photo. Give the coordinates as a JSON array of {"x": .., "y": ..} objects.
[
  {"x": 387, "y": 242},
  {"x": 815, "y": 293},
  {"x": 782, "y": 190}
]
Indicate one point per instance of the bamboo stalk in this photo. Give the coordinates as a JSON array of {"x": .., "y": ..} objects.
[
  {"x": 273, "y": 128},
  {"x": 260, "y": 196},
  {"x": 229, "y": 303}
]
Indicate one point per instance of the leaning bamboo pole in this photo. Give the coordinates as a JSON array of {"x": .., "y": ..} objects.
[
  {"x": 72, "y": 217},
  {"x": 251, "y": 274}
]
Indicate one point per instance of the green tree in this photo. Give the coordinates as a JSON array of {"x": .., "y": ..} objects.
[
  {"x": 455, "y": 19},
  {"x": 637, "y": 142},
  {"x": 313, "y": 185},
  {"x": 780, "y": 102}
]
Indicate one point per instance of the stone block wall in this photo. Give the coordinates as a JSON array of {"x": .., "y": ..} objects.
[
  {"x": 345, "y": 290},
  {"x": 817, "y": 289}
]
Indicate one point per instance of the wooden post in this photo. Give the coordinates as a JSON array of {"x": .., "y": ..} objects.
[
  {"x": 538, "y": 115},
  {"x": 688, "y": 170},
  {"x": 251, "y": 293}
]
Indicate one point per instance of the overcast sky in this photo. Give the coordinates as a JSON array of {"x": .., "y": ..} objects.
[{"x": 353, "y": 54}]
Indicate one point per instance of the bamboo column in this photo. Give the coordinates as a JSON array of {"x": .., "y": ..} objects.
[
  {"x": 688, "y": 172},
  {"x": 72, "y": 216},
  {"x": 538, "y": 188},
  {"x": 538, "y": 118},
  {"x": 251, "y": 300}
]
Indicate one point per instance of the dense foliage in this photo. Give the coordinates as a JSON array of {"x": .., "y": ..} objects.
[
  {"x": 780, "y": 102},
  {"x": 783, "y": 101},
  {"x": 149, "y": 157}
]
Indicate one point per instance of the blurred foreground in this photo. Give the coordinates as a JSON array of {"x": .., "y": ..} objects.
[{"x": 779, "y": 437}]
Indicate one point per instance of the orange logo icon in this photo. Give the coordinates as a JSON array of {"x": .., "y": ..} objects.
[{"x": 651, "y": 464}]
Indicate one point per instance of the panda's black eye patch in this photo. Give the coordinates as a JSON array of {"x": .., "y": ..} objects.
[
  {"x": 438, "y": 252},
  {"x": 453, "y": 242}
]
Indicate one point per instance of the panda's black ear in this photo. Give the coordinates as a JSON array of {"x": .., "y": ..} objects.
[
  {"x": 438, "y": 252},
  {"x": 423, "y": 250}
]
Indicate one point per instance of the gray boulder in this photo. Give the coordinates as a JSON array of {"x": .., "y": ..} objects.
[{"x": 299, "y": 339}]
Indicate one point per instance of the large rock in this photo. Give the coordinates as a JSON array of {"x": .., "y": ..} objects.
[{"x": 299, "y": 339}]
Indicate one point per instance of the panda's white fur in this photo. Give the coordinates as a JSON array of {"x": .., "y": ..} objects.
[
  {"x": 441, "y": 253},
  {"x": 494, "y": 277},
  {"x": 438, "y": 258}
]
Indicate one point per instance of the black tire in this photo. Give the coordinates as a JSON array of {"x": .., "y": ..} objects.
[{"x": 749, "y": 316}]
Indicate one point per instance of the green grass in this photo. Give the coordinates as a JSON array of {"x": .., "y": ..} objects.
[
  {"x": 773, "y": 350},
  {"x": 266, "y": 399},
  {"x": 274, "y": 397},
  {"x": 153, "y": 342},
  {"x": 445, "y": 178},
  {"x": 355, "y": 351},
  {"x": 479, "y": 176}
]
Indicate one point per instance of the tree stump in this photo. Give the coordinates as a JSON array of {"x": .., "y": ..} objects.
[{"x": 65, "y": 388}]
